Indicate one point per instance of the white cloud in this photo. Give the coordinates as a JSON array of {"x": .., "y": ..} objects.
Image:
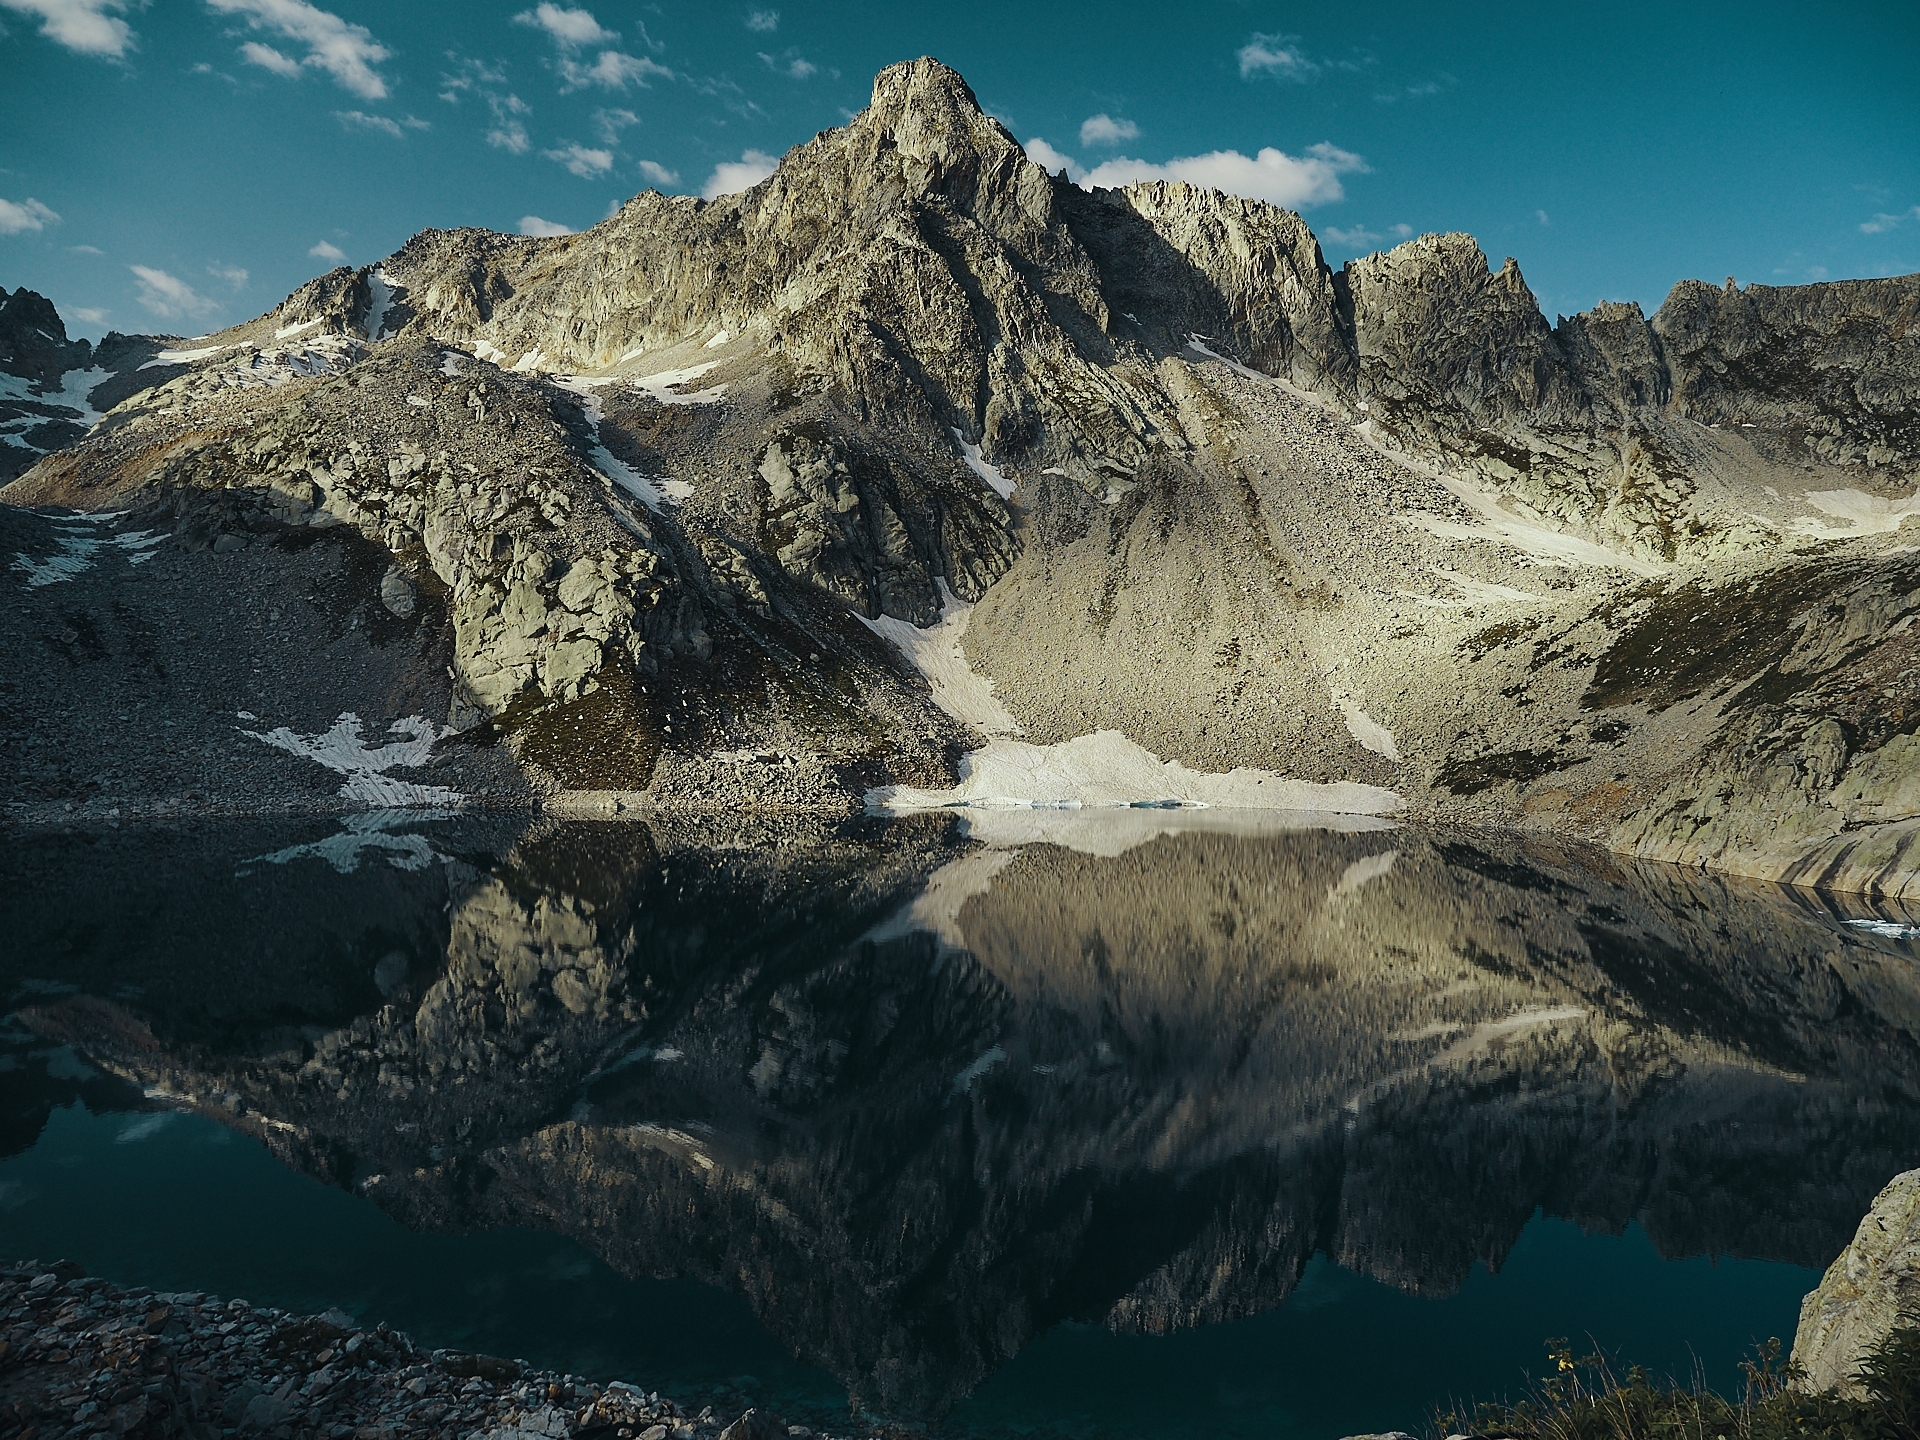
[
  {"x": 508, "y": 133},
  {"x": 1103, "y": 129},
  {"x": 268, "y": 58},
  {"x": 790, "y": 65},
  {"x": 90, "y": 314},
  {"x": 232, "y": 274},
  {"x": 322, "y": 250},
  {"x": 658, "y": 173},
  {"x": 1274, "y": 55},
  {"x": 85, "y": 250},
  {"x": 345, "y": 51},
  {"x": 28, "y": 214},
  {"x": 1052, "y": 161},
  {"x": 732, "y": 176},
  {"x": 381, "y": 123},
  {"x": 1419, "y": 90},
  {"x": 1541, "y": 216},
  {"x": 609, "y": 123},
  {"x": 1277, "y": 178},
  {"x": 764, "y": 22},
  {"x": 471, "y": 75},
  {"x": 170, "y": 298},
  {"x": 567, "y": 27},
  {"x": 587, "y": 164},
  {"x": 1353, "y": 236},
  {"x": 534, "y": 225},
  {"x": 613, "y": 70},
  {"x": 1881, "y": 224},
  {"x": 570, "y": 30},
  {"x": 1356, "y": 236},
  {"x": 81, "y": 25}
]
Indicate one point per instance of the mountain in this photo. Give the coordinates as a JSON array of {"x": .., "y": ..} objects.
[
  {"x": 53, "y": 389},
  {"x": 914, "y": 474}
]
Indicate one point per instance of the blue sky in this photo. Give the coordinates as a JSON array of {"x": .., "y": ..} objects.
[{"x": 177, "y": 165}]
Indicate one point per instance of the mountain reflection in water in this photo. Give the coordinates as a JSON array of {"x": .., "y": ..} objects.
[{"x": 918, "y": 1090}]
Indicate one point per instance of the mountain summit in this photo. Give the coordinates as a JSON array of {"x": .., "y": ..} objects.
[{"x": 914, "y": 475}]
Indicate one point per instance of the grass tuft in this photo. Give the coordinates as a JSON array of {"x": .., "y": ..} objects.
[{"x": 1588, "y": 1399}]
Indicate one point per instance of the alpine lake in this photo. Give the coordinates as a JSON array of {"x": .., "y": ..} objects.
[{"x": 1040, "y": 1123}]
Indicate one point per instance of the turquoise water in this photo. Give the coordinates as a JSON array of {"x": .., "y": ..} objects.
[
  {"x": 1047, "y": 1134},
  {"x": 1347, "y": 1354},
  {"x": 178, "y": 1202}
]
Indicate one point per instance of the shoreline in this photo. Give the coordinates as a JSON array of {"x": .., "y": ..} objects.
[{"x": 81, "y": 1356}]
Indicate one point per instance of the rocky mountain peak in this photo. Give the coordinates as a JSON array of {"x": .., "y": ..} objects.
[{"x": 33, "y": 338}]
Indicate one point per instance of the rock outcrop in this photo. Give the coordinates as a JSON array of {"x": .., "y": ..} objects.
[
  {"x": 1872, "y": 1286},
  {"x": 686, "y": 485}
]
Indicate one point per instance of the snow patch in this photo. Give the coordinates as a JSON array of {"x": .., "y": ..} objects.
[
  {"x": 361, "y": 836},
  {"x": 717, "y": 341},
  {"x": 651, "y": 492},
  {"x": 1859, "y": 512},
  {"x": 75, "y": 388},
  {"x": 1370, "y": 733},
  {"x": 448, "y": 368},
  {"x": 289, "y": 330},
  {"x": 80, "y": 549},
  {"x": 999, "y": 483},
  {"x": 1502, "y": 527},
  {"x": 182, "y": 357},
  {"x": 935, "y": 652},
  {"x": 1194, "y": 344},
  {"x": 664, "y": 385},
  {"x": 342, "y": 750},
  {"x": 1472, "y": 592},
  {"x": 381, "y": 289},
  {"x": 73, "y": 392},
  {"x": 279, "y": 365},
  {"x": 1107, "y": 769}
]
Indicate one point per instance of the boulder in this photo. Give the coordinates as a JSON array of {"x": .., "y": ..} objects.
[{"x": 1864, "y": 1292}]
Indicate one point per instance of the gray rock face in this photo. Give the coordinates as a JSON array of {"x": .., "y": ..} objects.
[{"x": 1864, "y": 1293}]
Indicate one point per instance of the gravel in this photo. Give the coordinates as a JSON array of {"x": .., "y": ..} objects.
[{"x": 82, "y": 1357}]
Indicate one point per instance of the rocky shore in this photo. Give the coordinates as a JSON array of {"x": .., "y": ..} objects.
[{"x": 81, "y": 1357}]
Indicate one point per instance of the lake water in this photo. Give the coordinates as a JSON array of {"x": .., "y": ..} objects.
[{"x": 1042, "y": 1123}]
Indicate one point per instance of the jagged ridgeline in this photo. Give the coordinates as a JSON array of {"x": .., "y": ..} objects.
[{"x": 810, "y": 492}]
